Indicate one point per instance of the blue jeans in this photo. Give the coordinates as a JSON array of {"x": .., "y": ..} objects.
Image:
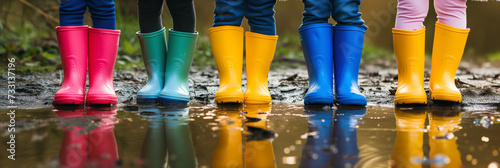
[
  {"x": 71, "y": 13},
  {"x": 345, "y": 12},
  {"x": 260, "y": 14}
]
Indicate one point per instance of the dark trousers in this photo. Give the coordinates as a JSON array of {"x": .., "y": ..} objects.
[{"x": 182, "y": 11}]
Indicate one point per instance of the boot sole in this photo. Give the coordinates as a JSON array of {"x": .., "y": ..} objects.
[
  {"x": 101, "y": 101},
  {"x": 319, "y": 100},
  {"x": 354, "y": 102},
  {"x": 446, "y": 97},
  {"x": 168, "y": 100},
  {"x": 69, "y": 100},
  {"x": 229, "y": 99},
  {"x": 257, "y": 100},
  {"x": 410, "y": 100}
]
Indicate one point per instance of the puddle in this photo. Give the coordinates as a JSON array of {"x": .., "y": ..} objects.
[{"x": 281, "y": 135}]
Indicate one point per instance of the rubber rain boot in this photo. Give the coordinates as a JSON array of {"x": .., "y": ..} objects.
[
  {"x": 103, "y": 47},
  {"x": 409, "y": 48},
  {"x": 227, "y": 47},
  {"x": 444, "y": 151},
  {"x": 345, "y": 136},
  {"x": 229, "y": 149},
  {"x": 260, "y": 50},
  {"x": 449, "y": 44},
  {"x": 154, "y": 52},
  {"x": 317, "y": 42},
  {"x": 73, "y": 47},
  {"x": 410, "y": 124},
  {"x": 259, "y": 151},
  {"x": 347, "y": 48},
  {"x": 180, "y": 56}
]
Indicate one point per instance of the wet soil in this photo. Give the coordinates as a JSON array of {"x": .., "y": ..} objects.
[{"x": 479, "y": 84}]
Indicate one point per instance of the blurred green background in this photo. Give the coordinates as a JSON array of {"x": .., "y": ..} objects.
[{"x": 27, "y": 32}]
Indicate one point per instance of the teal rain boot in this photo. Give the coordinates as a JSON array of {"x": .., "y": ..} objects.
[
  {"x": 154, "y": 52},
  {"x": 180, "y": 56}
]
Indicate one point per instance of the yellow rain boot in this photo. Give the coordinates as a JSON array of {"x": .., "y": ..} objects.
[
  {"x": 227, "y": 47},
  {"x": 449, "y": 44},
  {"x": 229, "y": 150},
  {"x": 259, "y": 151},
  {"x": 409, "y": 48},
  {"x": 441, "y": 139},
  {"x": 259, "y": 54},
  {"x": 408, "y": 152}
]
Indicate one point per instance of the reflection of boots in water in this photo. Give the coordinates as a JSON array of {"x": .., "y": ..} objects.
[
  {"x": 345, "y": 135},
  {"x": 259, "y": 152},
  {"x": 444, "y": 151},
  {"x": 178, "y": 136},
  {"x": 103, "y": 151},
  {"x": 317, "y": 150},
  {"x": 154, "y": 151},
  {"x": 229, "y": 149},
  {"x": 73, "y": 152},
  {"x": 408, "y": 150}
]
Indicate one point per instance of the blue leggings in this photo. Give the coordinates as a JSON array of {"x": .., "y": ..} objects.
[
  {"x": 71, "y": 13},
  {"x": 345, "y": 12},
  {"x": 260, "y": 14}
]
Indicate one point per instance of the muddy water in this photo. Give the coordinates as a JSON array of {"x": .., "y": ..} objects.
[{"x": 281, "y": 135}]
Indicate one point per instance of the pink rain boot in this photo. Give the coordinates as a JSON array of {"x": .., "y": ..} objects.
[
  {"x": 103, "y": 47},
  {"x": 73, "y": 47}
]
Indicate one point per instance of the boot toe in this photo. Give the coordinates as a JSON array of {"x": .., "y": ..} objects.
[
  {"x": 319, "y": 98},
  {"x": 229, "y": 95},
  {"x": 351, "y": 99}
]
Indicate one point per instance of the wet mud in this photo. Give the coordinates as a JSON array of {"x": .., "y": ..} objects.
[{"x": 479, "y": 84}]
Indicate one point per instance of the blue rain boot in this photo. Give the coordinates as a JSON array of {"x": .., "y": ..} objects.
[
  {"x": 317, "y": 45},
  {"x": 154, "y": 52},
  {"x": 180, "y": 56},
  {"x": 345, "y": 135},
  {"x": 348, "y": 45}
]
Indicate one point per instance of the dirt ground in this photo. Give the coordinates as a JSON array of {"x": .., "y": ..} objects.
[{"x": 479, "y": 84}]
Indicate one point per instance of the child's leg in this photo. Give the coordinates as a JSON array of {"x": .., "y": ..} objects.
[
  {"x": 183, "y": 14},
  {"x": 346, "y": 13},
  {"x": 260, "y": 15},
  {"x": 452, "y": 12},
  {"x": 411, "y": 14},
  {"x": 150, "y": 15},
  {"x": 348, "y": 38},
  {"x": 229, "y": 12},
  {"x": 260, "y": 48},
  {"x": 103, "y": 14},
  {"x": 71, "y": 13},
  {"x": 316, "y": 11}
]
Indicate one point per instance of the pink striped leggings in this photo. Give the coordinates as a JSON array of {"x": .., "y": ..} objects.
[{"x": 411, "y": 13}]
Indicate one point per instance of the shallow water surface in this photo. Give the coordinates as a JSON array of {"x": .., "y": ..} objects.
[{"x": 278, "y": 135}]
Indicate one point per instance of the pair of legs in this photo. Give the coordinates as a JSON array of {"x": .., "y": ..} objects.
[
  {"x": 71, "y": 13},
  {"x": 182, "y": 12},
  {"x": 167, "y": 66},
  {"x": 77, "y": 42},
  {"x": 340, "y": 46},
  {"x": 411, "y": 13},
  {"x": 409, "y": 47},
  {"x": 260, "y": 14},
  {"x": 226, "y": 38}
]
